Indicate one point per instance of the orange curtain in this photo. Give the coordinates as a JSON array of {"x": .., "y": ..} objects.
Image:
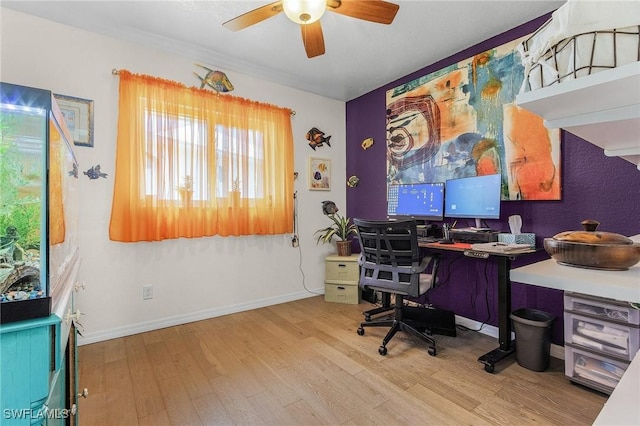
[
  {"x": 192, "y": 163},
  {"x": 57, "y": 228}
]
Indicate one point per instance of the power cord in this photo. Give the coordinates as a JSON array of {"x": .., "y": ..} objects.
[
  {"x": 486, "y": 299},
  {"x": 295, "y": 242}
]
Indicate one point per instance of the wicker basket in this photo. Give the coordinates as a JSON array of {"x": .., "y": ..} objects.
[
  {"x": 583, "y": 54},
  {"x": 582, "y": 37},
  {"x": 344, "y": 247}
]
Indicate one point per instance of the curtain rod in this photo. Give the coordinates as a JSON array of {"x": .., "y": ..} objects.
[{"x": 116, "y": 71}]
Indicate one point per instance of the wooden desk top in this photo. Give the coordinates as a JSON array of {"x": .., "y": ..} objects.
[
  {"x": 452, "y": 247},
  {"x": 463, "y": 247}
]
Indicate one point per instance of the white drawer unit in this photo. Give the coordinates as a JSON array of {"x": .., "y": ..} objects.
[
  {"x": 342, "y": 269},
  {"x": 598, "y": 307},
  {"x": 601, "y": 337},
  {"x": 615, "y": 340},
  {"x": 342, "y": 277},
  {"x": 592, "y": 370},
  {"x": 341, "y": 293}
]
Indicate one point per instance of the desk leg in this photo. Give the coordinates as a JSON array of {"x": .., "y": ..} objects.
[{"x": 507, "y": 347}]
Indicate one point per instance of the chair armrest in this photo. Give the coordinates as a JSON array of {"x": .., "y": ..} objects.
[{"x": 425, "y": 263}]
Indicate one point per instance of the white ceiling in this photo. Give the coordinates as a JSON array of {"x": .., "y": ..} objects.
[{"x": 360, "y": 56}]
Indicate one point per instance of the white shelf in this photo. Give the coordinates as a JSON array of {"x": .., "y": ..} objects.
[
  {"x": 601, "y": 108},
  {"x": 618, "y": 285}
]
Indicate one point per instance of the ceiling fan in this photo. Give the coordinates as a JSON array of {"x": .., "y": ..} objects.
[{"x": 307, "y": 13}]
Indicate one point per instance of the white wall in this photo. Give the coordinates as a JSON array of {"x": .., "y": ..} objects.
[{"x": 192, "y": 278}]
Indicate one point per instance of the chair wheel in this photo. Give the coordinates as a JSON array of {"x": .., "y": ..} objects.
[
  {"x": 360, "y": 331},
  {"x": 432, "y": 351},
  {"x": 489, "y": 368},
  {"x": 382, "y": 350},
  {"x": 367, "y": 317}
]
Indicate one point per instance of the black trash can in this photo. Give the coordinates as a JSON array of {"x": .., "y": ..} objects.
[{"x": 533, "y": 338}]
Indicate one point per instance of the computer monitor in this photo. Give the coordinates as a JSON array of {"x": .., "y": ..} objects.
[
  {"x": 476, "y": 197},
  {"x": 422, "y": 201}
]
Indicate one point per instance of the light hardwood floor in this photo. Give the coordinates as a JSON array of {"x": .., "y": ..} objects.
[{"x": 302, "y": 363}]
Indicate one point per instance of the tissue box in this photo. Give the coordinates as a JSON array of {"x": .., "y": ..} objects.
[{"x": 524, "y": 238}]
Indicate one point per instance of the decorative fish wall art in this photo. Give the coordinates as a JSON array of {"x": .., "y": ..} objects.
[
  {"x": 317, "y": 138},
  {"x": 95, "y": 173},
  {"x": 74, "y": 171},
  {"x": 217, "y": 80},
  {"x": 367, "y": 143},
  {"x": 329, "y": 207}
]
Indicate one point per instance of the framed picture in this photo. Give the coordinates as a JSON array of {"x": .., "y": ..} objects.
[
  {"x": 78, "y": 115},
  {"x": 319, "y": 174}
]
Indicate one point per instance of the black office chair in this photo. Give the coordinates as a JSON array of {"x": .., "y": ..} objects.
[
  {"x": 385, "y": 307},
  {"x": 390, "y": 262}
]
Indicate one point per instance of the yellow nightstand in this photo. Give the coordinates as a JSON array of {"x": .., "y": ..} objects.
[{"x": 342, "y": 275}]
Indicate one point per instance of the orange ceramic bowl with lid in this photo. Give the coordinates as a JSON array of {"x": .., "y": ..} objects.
[{"x": 593, "y": 249}]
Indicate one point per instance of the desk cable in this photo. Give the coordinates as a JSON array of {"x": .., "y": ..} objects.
[
  {"x": 486, "y": 299},
  {"x": 472, "y": 301}
]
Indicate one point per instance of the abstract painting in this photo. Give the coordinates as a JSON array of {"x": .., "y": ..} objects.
[{"x": 462, "y": 121}]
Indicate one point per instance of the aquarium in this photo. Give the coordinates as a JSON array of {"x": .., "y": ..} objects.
[{"x": 38, "y": 211}]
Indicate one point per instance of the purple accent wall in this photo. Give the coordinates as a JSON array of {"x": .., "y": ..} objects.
[{"x": 593, "y": 187}]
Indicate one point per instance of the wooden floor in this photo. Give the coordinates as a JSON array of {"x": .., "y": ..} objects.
[{"x": 302, "y": 363}]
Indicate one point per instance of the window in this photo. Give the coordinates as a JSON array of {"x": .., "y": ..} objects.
[
  {"x": 185, "y": 137},
  {"x": 190, "y": 163},
  {"x": 230, "y": 165}
]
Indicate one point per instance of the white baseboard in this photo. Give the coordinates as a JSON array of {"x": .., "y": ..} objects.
[
  {"x": 556, "y": 351},
  {"x": 141, "y": 327}
]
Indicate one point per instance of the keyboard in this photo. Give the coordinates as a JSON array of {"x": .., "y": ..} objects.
[{"x": 425, "y": 240}]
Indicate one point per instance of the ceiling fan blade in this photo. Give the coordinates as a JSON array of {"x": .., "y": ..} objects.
[
  {"x": 378, "y": 11},
  {"x": 254, "y": 16},
  {"x": 313, "y": 39}
]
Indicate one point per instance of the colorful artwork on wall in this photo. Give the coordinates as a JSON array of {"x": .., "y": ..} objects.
[
  {"x": 319, "y": 174},
  {"x": 462, "y": 121}
]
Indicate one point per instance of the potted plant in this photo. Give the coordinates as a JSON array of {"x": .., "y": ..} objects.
[
  {"x": 186, "y": 190},
  {"x": 235, "y": 192},
  {"x": 341, "y": 228}
]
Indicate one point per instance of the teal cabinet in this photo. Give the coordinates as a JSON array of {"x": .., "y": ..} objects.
[
  {"x": 60, "y": 413},
  {"x": 28, "y": 351},
  {"x": 38, "y": 373}
]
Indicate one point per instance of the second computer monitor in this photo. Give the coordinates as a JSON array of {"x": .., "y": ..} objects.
[
  {"x": 476, "y": 197},
  {"x": 423, "y": 201}
]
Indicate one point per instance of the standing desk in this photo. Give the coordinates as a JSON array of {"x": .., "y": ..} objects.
[{"x": 507, "y": 347}]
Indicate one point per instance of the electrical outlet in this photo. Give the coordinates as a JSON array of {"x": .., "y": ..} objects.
[{"x": 147, "y": 292}]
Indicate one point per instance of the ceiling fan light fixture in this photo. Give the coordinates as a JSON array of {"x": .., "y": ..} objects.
[{"x": 304, "y": 11}]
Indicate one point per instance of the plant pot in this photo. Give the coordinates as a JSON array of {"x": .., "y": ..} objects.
[
  {"x": 344, "y": 248},
  {"x": 186, "y": 197},
  {"x": 235, "y": 198}
]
